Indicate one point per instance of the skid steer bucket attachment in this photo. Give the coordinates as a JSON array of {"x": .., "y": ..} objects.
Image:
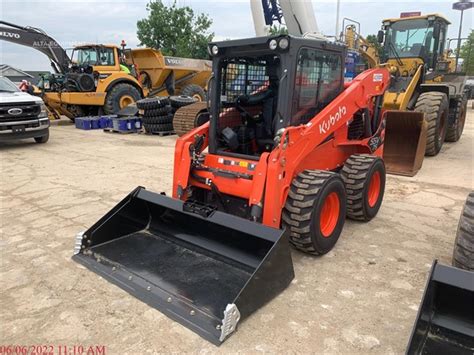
[
  {"x": 445, "y": 321},
  {"x": 405, "y": 142},
  {"x": 203, "y": 268}
]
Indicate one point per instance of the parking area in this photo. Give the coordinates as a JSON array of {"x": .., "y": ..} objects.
[{"x": 362, "y": 297}]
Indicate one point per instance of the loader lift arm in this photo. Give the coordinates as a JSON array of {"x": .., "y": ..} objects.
[
  {"x": 298, "y": 144},
  {"x": 36, "y": 38}
]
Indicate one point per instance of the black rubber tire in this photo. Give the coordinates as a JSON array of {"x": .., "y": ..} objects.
[
  {"x": 160, "y": 111},
  {"x": 435, "y": 106},
  {"x": 157, "y": 128},
  {"x": 194, "y": 90},
  {"x": 145, "y": 80},
  {"x": 112, "y": 101},
  {"x": 152, "y": 102},
  {"x": 158, "y": 119},
  {"x": 301, "y": 214},
  {"x": 357, "y": 173},
  {"x": 455, "y": 129},
  {"x": 181, "y": 100},
  {"x": 463, "y": 254},
  {"x": 42, "y": 139}
]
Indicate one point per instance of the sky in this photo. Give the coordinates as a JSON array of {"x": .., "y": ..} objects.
[{"x": 72, "y": 22}]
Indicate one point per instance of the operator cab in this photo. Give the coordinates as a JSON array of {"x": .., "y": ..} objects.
[
  {"x": 259, "y": 88},
  {"x": 93, "y": 55},
  {"x": 412, "y": 37}
]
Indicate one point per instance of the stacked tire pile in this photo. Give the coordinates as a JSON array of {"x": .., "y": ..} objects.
[{"x": 157, "y": 112}]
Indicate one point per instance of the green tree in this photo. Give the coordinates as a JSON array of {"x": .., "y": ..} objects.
[
  {"x": 176, "y": 31},
  {"x": 372, "y": 39},
  {"x": 467, "y": 54},
  {"x": 278, "y": 30}
]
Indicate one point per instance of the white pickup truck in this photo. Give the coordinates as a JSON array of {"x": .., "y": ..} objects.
[{"x": 21, "y": 115}]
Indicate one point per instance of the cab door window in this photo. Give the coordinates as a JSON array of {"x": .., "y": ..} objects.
[
  {"x": 106, "y": 56},
  {"x": 318, "y": 81}
]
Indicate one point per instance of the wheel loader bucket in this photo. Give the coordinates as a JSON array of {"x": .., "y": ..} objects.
[
  {"x": 205, "y": 269},
  {"x": 405, "y": 142},
  {"x": 445, "y": 321}
]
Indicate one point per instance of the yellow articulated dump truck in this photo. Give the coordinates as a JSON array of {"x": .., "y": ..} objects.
[
  {"x": 99, "y": 78},
  {"x": 114, "y": 78},
  {"x": 163, "y": 75}
]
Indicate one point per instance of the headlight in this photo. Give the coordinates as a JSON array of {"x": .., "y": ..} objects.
[
  {"x": 283, "y": 43},
  {"x": 273, "y": 44},
  {"x": 44, "y": 111},
  {"x": 214, "y": 50}
]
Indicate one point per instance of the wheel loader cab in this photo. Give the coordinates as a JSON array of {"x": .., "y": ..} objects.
[
  {"x": 412, "y": 41},
  {"x": 265, "y": 84}
]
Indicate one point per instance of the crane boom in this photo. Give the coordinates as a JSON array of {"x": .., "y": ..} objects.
[
  {"x": 299, "y": 17},
  {"x": 259, "y": 23},
  {"x": 298, "y": 14}
]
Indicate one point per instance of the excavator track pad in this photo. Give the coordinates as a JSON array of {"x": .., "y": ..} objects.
[{"x": 189, "y": 117}]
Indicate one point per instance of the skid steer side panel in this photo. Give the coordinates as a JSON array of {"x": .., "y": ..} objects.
[
  {"x": 203, "y": 268},
  {"x": 445, "y": 320},
  {"x": 405, "y": 142}
]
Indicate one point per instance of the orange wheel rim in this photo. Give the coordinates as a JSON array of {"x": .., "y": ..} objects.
[
  {"x": 373, "y": 192},
  {"x": 125, "y": 101},
  {"x": 197, "y": 97},
  {"x": 329, "y": 214}
]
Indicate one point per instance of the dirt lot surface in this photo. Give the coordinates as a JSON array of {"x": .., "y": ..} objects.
[{"x": 360, "y": 298}]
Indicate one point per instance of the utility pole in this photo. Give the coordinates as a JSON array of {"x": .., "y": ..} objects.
[
  {"x": 337, "y": 18},
  {"x": 461, "y": 6}
]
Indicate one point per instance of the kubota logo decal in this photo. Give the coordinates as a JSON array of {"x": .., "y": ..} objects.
[{"x": 332, "y": 120}]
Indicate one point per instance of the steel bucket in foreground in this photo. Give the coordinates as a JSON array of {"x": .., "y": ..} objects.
[
  {"x": 405, "y": 142},
  {"x": 203, "y": 268},
  {"x": 445, "y": 320}
]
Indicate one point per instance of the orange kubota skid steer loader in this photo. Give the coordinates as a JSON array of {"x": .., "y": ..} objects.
[{"x": 289, "y": 152}]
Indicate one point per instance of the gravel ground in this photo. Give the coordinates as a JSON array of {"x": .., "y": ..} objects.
[{"x": 360, "y": 298}]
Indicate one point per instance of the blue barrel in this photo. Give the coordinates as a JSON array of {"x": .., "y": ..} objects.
[{"x": 353, "y": 59}]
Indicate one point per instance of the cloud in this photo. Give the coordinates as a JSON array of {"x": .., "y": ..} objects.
[{"x": 72, "y": 22}]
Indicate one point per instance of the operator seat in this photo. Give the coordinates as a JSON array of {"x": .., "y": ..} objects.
[{"x": 416, "y": 49}]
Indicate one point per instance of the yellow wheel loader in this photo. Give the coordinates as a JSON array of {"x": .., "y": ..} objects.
[
  {"x": 424, "y": 84},
  {"x": 105, "y": 78},
  {"x": 414, "y": 51}
]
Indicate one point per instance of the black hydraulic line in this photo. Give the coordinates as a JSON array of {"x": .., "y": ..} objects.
[
  {"x": 377, "y": 111},
  {"x": 367, "y": 126}
]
